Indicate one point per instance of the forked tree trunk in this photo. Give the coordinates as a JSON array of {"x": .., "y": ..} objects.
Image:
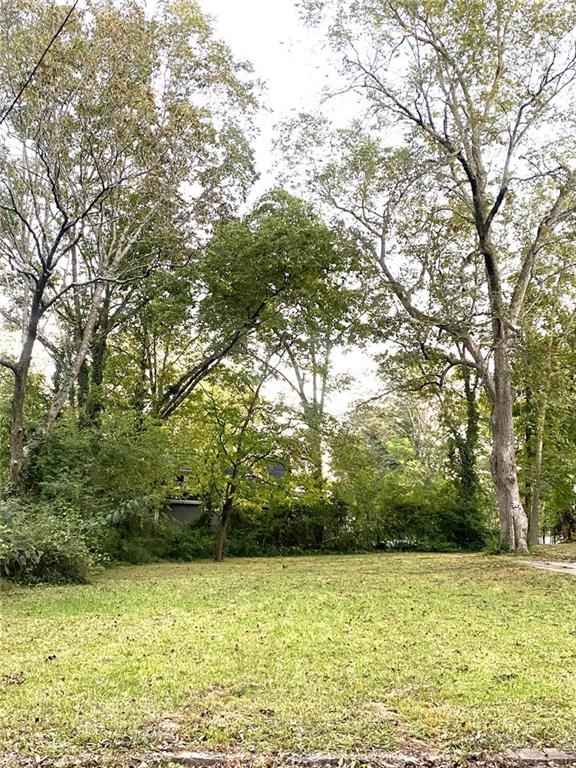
[
  {"x": 77, "y": 363},
  {"x": 513, "y": 518}
]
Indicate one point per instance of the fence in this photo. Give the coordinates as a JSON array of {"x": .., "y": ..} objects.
[{"x": 549, "y": 535}]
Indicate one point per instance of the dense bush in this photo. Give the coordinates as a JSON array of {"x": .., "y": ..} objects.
[
  {"x": 191, "y": 543},
  {"x": 439, "y": 522},
  {"x": 316, "y": 524},
  {"x": 41, "y": 543},
  {"x": 151, "y": 542},
  {"x": 395, "y": 499},
  {"x": 88, "y": 493},
  {"x": 95, "y": 492}
]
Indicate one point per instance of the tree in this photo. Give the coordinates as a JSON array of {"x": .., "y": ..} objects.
[
  {"x": 120, "y": 108},
  {"x": 547, "y": 344},
  {"x": 389, "y": 465},
  {"x": 254, "y": 274},
  {"x": 461, "y": 172},
  {"x": 230, "y": 436},
  {"x": 331, "y": 314},
  {"x": 417, "y": 368}
]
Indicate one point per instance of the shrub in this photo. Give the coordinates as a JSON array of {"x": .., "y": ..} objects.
[
  {"x": 144, "y": 541},
  {"x": 40, "y": 543},
  {"x": 295, "y": 525},
  {"x": 192, "y": 543}
]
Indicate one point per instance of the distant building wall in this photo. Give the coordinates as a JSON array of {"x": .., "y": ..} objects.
[{"x": 185, "y": 511}]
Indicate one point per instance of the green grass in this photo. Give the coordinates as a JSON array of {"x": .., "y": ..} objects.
[
  {"x": 565, "y": 552},
  {"x": 342, "y": 653}
]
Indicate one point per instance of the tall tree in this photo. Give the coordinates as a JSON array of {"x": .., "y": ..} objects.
[
  {"x": 328, "y": 317},
  {"x": 461, "y": 172},
  {"x": 547, "y": 344},
  {"x": 417, "y": 367},
  {"x": 256, "y": 272},
  {"x": 122, "y": 106}
]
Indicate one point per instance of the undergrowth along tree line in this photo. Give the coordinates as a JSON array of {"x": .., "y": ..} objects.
[{"x": 163, "y": 339}]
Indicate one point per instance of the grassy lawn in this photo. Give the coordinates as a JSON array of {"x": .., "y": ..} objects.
[
  {"x": 565, "y": 552},
  {"x": 343, "y": 653}
]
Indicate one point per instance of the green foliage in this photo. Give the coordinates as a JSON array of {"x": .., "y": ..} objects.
[
  {"x": 44, "y": 543},
  {"x": 110, "y": 472},
  {"x": 98, "y": 490},
  {"x": 395, "y": 490},
  {"x": 228, "y": 436},
  {"x": 193, "y": 543},
  {"x": 276, "y": 259},
  {"x": 149, "y": 543},
  {"x": 130, "y": 107},
  {"x": 36, "y": 404},
  {"x": 95, "y": 488},
  {"x": 294, "y": 525}
]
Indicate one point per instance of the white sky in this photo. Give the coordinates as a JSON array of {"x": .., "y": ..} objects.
[
  {"x": 294, "y": 64},
  {"x": 288, "y": 58}
]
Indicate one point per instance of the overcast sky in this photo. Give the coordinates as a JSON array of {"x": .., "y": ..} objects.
[{"x": 290, "y": 59}]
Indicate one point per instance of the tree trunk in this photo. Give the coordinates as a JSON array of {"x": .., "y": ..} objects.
[
  {"x": 77, "y": 363},
  {"x": 534, "y": 522},
  {"x": 513, "y": 518},
  {"x": 21, "y": 372},
  {"x": 315, "y": 442},
  {"x": 95, "y": 401},
  {"x": 223, "y": 527},
  {"x": 17, "y": 426},
  {"x": 467, "y": 448},
  {"x": 82, "y": 387},
  {"x": 528, "y": 449}
]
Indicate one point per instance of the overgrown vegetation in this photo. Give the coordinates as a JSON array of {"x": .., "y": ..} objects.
[{"x": 94, "y": 494}]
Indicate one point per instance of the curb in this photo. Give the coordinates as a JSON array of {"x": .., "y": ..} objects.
[
  {"x": 528, "y": 757},
  {"x": 522, "y": 758}
]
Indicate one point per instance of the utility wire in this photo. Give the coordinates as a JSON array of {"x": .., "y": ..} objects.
[{"x": 39, "y": 62}]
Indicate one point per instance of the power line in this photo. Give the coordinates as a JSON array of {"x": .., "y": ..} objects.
[{"x": 39, "y": 62}]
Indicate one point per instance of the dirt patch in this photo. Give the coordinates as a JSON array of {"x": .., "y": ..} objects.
[{"x": 557, "y": 566}]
